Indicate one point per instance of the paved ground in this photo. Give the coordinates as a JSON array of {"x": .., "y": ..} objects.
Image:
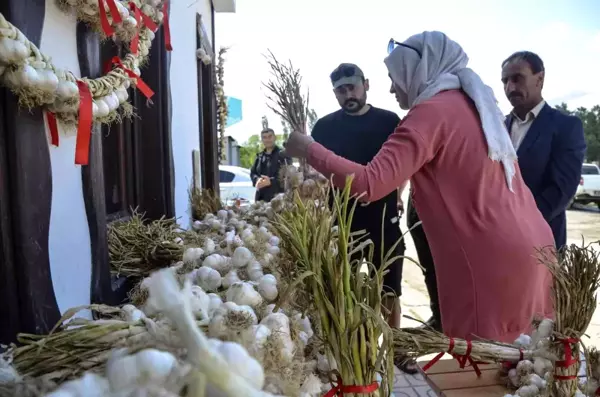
[{"x": 583, "y": 222}]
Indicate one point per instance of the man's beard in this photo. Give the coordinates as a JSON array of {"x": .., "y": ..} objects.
[{"x": 354, "y": 105}]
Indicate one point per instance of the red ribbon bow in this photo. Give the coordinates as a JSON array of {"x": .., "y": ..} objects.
[
  {"x": 340, "y": 388},
  {"x": 143, "y": 87},
  {"x": 114, "y": 11},
  {"x": 462, "y": 359},
  {"x": 53, "y": 127},
  {"x": 140, "y": 17},
  {"x": 569, "y": 360}
]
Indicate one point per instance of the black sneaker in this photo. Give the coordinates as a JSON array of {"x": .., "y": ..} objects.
[
  {"x": 408, "y": 365},
  {"x": 433, "y": 323}
]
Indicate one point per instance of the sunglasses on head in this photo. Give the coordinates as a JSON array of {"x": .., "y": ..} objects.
[
  {"x": 344, "y": 71},
  {"x": 392, "y": 44}
]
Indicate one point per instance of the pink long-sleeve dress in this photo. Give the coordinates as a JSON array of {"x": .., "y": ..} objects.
[{"x": 483, "y": 237}]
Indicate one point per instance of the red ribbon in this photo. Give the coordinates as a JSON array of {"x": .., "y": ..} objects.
[
  {"x": 340, "y": 389},
  {"x": 166, "y": 27},
  {"x": 53, "y": 127},
  {"x": 569, "y": 360},
  {"x": 140, "y": 17},
  {"x": 133, "y": 46},
  {"x": 108, "y": 30},
  {"x": 462, "y": 359},
  {"x": 84, "y": 128},
  {"x": 143, "y": 87},
  {"x": 509, "y": 365},
  {"x": 114, "y": 11}
]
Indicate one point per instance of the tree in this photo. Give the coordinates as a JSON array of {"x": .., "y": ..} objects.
[{"x": 591, "y": 128}]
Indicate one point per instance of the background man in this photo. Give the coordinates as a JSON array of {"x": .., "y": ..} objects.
[
  {"x": 265, "y": 171},
  {"x": 550, "y": 144},
  {"x": 357, "y": 131}
]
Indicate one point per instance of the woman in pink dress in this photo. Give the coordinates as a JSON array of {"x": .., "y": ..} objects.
[{"x": 481, "y": 220}]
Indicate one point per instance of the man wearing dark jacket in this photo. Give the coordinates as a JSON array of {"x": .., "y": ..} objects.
[
  {"x": 265, "y": 171},
  {"x": 550, "y": 144}
]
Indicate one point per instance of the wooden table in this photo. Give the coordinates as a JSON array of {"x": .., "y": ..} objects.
[{"x": 447, "y": 379}]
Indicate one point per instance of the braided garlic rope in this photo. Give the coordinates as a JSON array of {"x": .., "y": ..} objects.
[{"x": 37, "y": 82}]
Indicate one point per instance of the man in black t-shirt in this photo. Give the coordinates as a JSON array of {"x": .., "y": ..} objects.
[{"x": 356, "y": 132}]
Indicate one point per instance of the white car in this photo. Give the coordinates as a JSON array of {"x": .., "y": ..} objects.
[
  {"x": 235, "y": 184},
  {"x": 588, "y": 190}
]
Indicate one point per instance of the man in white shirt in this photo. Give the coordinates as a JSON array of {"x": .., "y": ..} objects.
[{"x": 550, "y": 144}]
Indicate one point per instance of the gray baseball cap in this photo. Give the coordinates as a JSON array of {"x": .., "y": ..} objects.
[{"x": 346, "y": 73}]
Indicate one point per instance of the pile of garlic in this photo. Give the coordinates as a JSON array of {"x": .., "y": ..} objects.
[
  {"x": 533, "y": 378},
  {"x": 233, "y": 294},
  {"x": 31, "y": 75},
  {"x": 148, "y": 372}
]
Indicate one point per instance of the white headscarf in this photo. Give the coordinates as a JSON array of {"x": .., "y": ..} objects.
[{"x": 442, "y": 65}]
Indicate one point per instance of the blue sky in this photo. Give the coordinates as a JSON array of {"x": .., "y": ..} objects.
[{"x": 317, "y": 35}]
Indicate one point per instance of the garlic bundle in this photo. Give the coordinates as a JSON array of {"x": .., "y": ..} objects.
[
  {"x": 149, "y": 366},
  {"x": 279, "y": 324},
  {"x": 207, "y": 278},
  {"x": 267, "y": 287},
  {"x": 532, "y": 377},
  {"x": 231, "y": 317},
  {"x": 193, "y": 255},
  {"x": 7, "y": 373},
  {"x": 218, "y": 262},
  {"x": 243, "y": 293},
  {"x": 90, "y": 385},
  {"x": 173, "y": 303},
  {"x": 132, "y": 313}
]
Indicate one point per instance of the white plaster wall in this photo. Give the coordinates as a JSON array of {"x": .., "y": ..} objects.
[
  {"x": 69, "y": 239},
  {"x": 184, "y": 96}
]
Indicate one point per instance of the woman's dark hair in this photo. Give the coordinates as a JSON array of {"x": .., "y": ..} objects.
[{"x": 533, "y": 60}]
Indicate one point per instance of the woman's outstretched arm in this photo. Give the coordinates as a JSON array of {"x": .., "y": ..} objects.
[{"x": 403, "y": 154}]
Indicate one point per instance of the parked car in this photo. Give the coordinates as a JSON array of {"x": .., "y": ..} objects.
[
  {"x": 588, "y": 190},
  {"x": 235, "y": 184}
]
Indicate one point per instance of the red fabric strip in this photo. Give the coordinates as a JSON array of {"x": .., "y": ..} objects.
[
  {"x": 148, "y": 22},
  {"x": 134, "y": 45},
  {"x": 569, "y": 360},
  {"x": 140, "y": 84},
  {"x": 84, "y": 128},
  {"x": 53, "y": 127},
  {"x": 114, "y": 11},
  {"x": 106, "y": 28},
  {"x": 340, "y": 388},
  {"x": 439, "y": 356},
  {"x": 108, "y": 66},
  {"x": 166, "y": 27},
  {"x": 461, "y": 359}
]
